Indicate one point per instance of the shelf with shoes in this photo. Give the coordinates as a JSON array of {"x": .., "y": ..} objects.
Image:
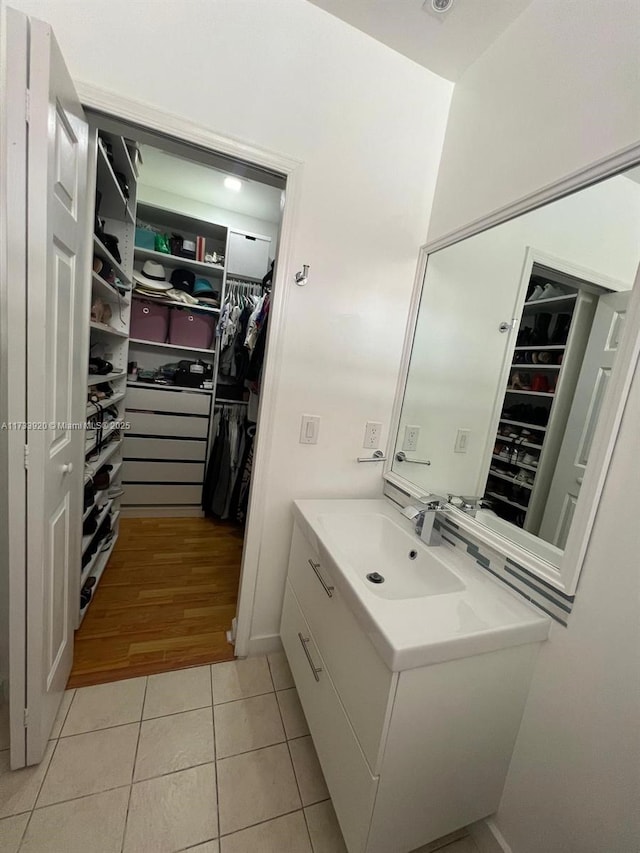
[
  {"x": 515, "y": 463},
  {"x": 504, "y": 499},
  {"x": 529, "y": 392},
  {"x": 108, "y": 338},
  {"x": 545, "y": 362},
  {"x": 509, "y": 479}
]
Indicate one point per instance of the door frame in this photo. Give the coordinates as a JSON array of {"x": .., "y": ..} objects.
[
  {"x": 134, "y": 112},
  {"x": 13, "y": 365}
]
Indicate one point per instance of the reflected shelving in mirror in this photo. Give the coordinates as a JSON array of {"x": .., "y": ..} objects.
[{"x": 541, "y": 386}]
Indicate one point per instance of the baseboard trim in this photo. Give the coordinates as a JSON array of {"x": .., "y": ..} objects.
[
  {"x": 488, "y": 838},
  {"x": 265, "y": 645}
]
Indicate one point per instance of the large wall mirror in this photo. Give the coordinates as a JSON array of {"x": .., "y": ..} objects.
[{"x": 516, "y": 334}]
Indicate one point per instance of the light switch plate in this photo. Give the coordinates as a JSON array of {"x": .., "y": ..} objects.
[
  {"x": 309, "y": 429},
  {"x": 462, "y": 441}
]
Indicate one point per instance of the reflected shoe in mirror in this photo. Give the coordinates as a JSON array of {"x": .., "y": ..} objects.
[
  {"x": 520, "y": 381},
  {"x": 560, "y": 331},
  {"x": 536, "y": 293},
  {"x": 540, "y": 334},
  {"x": 528, "y": 459},
  {"x": 524, "y": 476},
  {"x": 540, "y": 383}
]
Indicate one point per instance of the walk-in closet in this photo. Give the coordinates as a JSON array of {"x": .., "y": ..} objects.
[{"x": 183, "y": 245}]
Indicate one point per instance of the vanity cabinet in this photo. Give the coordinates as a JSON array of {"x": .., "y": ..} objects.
[{"x": 407, "y": 756}]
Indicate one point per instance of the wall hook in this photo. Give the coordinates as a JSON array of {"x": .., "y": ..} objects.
[{"x": 302, "y": 277}]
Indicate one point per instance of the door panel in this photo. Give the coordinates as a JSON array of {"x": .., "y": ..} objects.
[
  {"x": 13, "y": 308},
  {"x": 591, "y": 387},
  {"x": 57, "y": 299}
]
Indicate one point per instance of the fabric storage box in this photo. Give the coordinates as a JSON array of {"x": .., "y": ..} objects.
[
  {"x": 149, "y": 321},
  {"x": 144, "y": 238},
  {"x": 191, "y": 329}
]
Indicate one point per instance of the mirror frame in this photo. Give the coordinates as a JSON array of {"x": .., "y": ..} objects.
[{"x": 565, "y": 577}]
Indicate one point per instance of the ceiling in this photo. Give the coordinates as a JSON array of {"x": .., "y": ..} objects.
[
  {"x": 445, "y": 43},
  {"x": 205, "y": 184}
]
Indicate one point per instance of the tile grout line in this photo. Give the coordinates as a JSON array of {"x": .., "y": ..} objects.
[
  {"x": 215, "y": 751},
  {"x": 133, "y": 769},
  {"x": 293, "y": 766}
]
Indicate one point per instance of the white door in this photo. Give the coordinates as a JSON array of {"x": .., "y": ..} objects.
[
  {"x": 56, "y": 377},
  {"x": 592, "y": 383}
]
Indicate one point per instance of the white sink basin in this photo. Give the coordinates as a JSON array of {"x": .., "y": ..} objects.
[
  {"x": 434, "y": 607},
  {"x": 376, "y": 545}
]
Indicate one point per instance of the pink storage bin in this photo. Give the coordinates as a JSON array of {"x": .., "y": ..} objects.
[
  {"x": 149, "y": 321},
  {"x": 190, "y": 329}
]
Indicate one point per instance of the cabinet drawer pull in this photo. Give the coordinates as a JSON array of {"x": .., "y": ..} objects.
[
  {"x": 316, "y": 568},
  {"x": 314, "y": 669}
]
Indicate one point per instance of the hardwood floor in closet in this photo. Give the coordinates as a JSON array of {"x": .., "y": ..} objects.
[{"x": 165, "y": 601}]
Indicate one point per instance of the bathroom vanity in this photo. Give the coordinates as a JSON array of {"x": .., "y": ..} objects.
[{"x": 413, "y": 687}]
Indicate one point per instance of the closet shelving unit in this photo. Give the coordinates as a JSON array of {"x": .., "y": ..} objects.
[
  {"x": 166, "y": 448},
  {"x": 108, "y": 340},
  {"x": 523, "y": 501}
]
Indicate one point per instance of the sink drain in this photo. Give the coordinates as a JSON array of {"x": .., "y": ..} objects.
[
  {"x": 413, "y": 554},
  {"x": 375, "y": 577}
]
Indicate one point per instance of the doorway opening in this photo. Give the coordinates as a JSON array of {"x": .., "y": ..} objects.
[{"x": 184, "y": 242}]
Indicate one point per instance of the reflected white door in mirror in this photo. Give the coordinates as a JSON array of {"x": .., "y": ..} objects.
[{"x": 519, "y": 354}]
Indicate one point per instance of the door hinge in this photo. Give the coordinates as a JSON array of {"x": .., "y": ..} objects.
[
  {"x": 26, "y": 457},
  {"x": 27, "y": 105},
  {"x": 26, "y": 718}
]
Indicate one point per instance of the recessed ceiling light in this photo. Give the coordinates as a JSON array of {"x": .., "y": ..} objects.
[
  {"x": 437, "y": 5},
  {"x": 233, "y": 184}
]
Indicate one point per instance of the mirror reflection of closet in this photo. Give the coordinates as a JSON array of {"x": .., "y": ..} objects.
[{"x": 516, "y": 334}]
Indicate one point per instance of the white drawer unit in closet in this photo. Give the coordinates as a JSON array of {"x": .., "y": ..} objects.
[
  {"x": 408, "y": 756},
  {"x": 174, "y": 426},
  {"x": 156, "y": 494},
  {"x": 248, "y": 255},
  {"x": 165, "y": 448},
  {"x": 139, "y": 447},
  {"x": 182, "y": 402}
]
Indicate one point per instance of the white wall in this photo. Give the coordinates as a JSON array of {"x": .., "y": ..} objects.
[
  {"x": 455, "y": 377},
  {"x": 368, "y": 125},
  {"x": 558, "y": 91},
  {"x": 209, "y": 213}
]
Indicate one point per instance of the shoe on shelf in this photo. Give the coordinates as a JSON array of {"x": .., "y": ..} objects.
[
  {"x": 560, "y": 331},
  {"x": 115, "y": 492},
  {"x": 520, "y": 381},
  {"x": 540, "y": 383},
  {"x": 553, "y": 291},
  {"x": 536, "y": 293},
  {"x": 528, "y": 459},
  {"x": 540, "y": 333}
]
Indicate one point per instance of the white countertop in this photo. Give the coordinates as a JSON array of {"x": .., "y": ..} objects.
[{"x": 481, "y": 615}]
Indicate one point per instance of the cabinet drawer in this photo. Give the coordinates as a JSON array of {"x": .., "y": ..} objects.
[
  {"x": 159, "y": 400},
  {"x": 159, "y": 495},
  {"x": 141, "y": 447},
  {"x": 145, "y": 423},
  {"x": 248, "y": 255},
  {"x": 349, "y": 780},
  {"x": 365, "y": 685},
  {"x": 164, "y": 472}
]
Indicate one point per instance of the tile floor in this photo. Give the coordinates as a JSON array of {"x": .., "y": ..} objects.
[{"x": 214, "y": 759}]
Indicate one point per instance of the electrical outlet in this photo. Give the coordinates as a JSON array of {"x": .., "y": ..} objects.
[
  {"x": 462, "y": 441},
  {"x": 411, "y": 436},
  {"x": 309, "y": 429},
  {"x": 372, "y": 434}
]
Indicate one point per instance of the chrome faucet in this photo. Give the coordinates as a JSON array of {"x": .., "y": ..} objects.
[{"x": 424, "y": 514}]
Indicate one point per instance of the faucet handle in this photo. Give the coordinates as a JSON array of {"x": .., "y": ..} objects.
[{"x": 435, "y": 501}]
